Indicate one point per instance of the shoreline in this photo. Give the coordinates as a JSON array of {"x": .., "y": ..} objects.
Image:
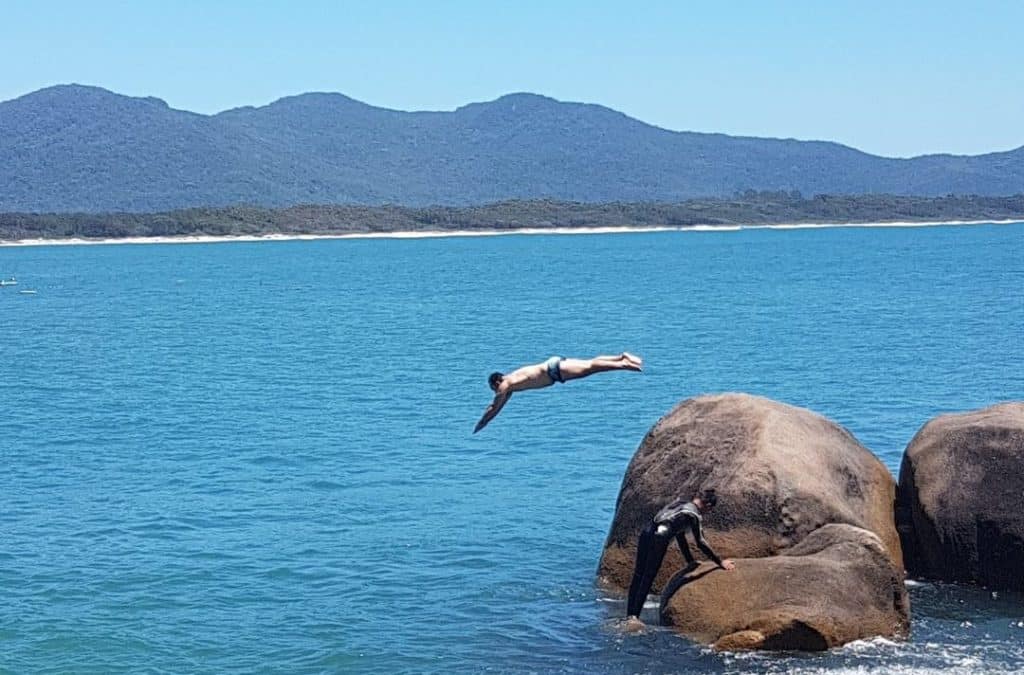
[{"x": 437, "y": 234}]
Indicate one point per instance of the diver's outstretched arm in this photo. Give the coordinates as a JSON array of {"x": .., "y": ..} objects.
[
  {"x": 684, "y": 548},
  {"x": 493, "y": 409},
  {"x": 703, "y": 545}
]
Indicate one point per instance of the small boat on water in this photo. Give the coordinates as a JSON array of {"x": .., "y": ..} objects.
[
  {"x": 28, "y": 291},
  {"x": 9, "y": 282}
]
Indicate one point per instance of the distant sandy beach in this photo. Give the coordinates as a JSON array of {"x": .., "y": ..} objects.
[{"x": 433, "y": 234}]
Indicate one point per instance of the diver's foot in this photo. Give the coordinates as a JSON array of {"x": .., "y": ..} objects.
[
  {"x": 630, "y": 362},
  {"x": 632, "y": 624}
]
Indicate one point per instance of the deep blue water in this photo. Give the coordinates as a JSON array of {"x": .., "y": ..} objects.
[{"x": 257, "y": 456}]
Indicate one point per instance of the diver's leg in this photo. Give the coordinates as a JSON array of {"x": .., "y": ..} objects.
[
  {"x": 652, "y": 563},
  {"x": 600, "y": 363},
  {"x": 610, "y": 357},
  {"x": 573, "y": 369},
  {"x": 643, "y": 547},
  {"x": 624, "y": 356}
]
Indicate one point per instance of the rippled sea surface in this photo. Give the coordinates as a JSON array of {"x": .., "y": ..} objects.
[{"x": 257, "y": 456}]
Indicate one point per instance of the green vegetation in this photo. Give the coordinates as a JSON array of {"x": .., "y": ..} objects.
[
  {"x": 750, "y": 208},
  {"x": 74, "y": 149}
]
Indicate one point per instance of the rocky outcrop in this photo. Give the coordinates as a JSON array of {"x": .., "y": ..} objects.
[
  {"x": 781, "y": 473},
  {"x": 960, "y": 506},
  {"x": 837, "y": 585}
]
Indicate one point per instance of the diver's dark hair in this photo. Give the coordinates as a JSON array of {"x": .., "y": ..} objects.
[
  {"x": 494, "y": 379},
  {"x": 708, "y": 498}
]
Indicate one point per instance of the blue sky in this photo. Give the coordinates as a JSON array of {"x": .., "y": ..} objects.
[{"x": 892, "y": 78}]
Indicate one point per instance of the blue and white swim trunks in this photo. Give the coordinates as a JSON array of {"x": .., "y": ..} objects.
[{"x": 554, "y": 366}]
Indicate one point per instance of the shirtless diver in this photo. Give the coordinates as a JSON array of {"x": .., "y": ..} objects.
[{"x": 555, "y": 369}]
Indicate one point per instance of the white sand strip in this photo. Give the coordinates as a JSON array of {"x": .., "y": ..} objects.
[{"x": 430, "y": 234}]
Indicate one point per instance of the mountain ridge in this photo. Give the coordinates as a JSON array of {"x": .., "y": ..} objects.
[{"x": 85, "y": 148}]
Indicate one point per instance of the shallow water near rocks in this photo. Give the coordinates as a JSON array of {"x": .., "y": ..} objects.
[{"x": 231, "y": 457}]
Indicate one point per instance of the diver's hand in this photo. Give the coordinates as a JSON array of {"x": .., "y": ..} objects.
[{"x": 728, "y": 565}]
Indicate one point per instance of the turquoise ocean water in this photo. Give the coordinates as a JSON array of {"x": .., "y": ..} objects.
[{"x": 257, "y": 456}]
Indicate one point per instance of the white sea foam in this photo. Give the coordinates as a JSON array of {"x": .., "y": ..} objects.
[
  {"x": 873, "y": 643},
  {"x": 880, "y": 654},
  {"x": 974, "y": 667}
]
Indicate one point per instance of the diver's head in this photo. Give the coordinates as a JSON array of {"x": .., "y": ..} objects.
[
  {"x": 706, "y": 499},
  {"x": 493, "y": 380}
]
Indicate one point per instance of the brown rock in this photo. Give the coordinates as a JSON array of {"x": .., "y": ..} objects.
[
  {"x": 837, "y": 585},
  {"x": 781, "y": 473},
  {"x": 960, "y": 503}
]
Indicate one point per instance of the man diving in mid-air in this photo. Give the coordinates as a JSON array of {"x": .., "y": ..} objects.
[{"x": 555, "y": 369}]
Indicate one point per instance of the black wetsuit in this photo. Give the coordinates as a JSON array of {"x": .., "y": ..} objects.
[{"x": 671, "y": 521}]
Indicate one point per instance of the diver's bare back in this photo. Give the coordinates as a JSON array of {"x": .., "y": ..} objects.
[{"x": 528, "y": 377}]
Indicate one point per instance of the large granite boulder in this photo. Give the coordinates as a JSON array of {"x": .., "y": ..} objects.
[
  {"x": 837, "y": 585},
  {"x": 781, "y": 473},
  {"x": 960, "y": 503}
]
